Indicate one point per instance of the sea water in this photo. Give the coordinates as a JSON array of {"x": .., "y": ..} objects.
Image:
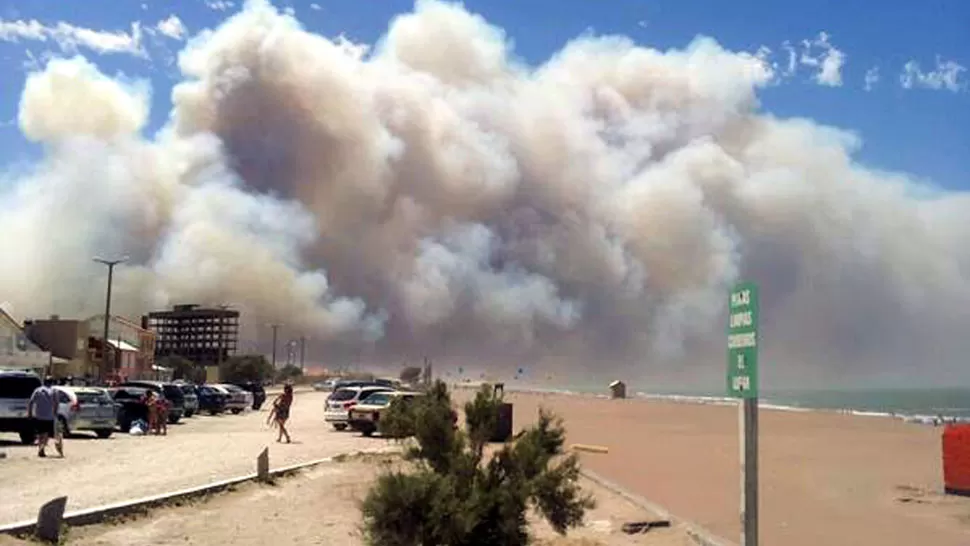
[{"x": 918, "y": 405}]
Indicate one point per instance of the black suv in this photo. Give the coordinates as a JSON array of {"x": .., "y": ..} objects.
[
  {"x": 257, "y": 390},
  {"x": 15, "y": 391},
  {"x": 170, "y": 391}
]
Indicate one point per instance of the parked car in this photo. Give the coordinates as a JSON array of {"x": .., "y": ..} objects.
[
  {"x": 324, "y": 385},
  {"x": 130, "y": 404},
  {"x": 239, "y": 400},
  {"x": 191, "y": 398},
  {"x": 211, "y": 400},
  {"x": 338, "y": 405},
  {"x": 366, "y": 415},
  {"x": 169, "y": 391},
  {"x": 347, "y": 383},
  {"x": 86, "y": 408},
  {"x": 256, "y": 389},
  {"x": 15, "y": 390}
]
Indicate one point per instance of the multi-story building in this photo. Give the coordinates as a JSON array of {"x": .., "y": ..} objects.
[
  {"x": 17, "y": 351},
  {"x": 77, "y": 346},
  {"x": 131, "y": 347},
  {"x": 67, "y": 340},
  {"x": 205, "y": 336}
]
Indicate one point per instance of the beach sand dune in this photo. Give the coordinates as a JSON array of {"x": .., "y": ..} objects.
[{"x": 826, "y": 478}]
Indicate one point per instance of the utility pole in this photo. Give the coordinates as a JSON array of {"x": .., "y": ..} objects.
[
  {"x": 105, "y": 366},
  {"x": 275, "y": 327},
  {"x": 302, "y": 353}
]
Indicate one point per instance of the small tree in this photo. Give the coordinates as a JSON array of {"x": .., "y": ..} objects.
[
  {"x": 289, "y": 373},
  {"x": 451, "y": 497},
  {"x": 246, "y": 368},
  {"x": 183, "y": 368},
  {"x": 411, "y": 374}
]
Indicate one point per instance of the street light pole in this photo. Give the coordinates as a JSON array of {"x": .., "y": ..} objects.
[
  {"x": 302, "y": 353},
  {"x": 276, "y": 327},
  {"x": 107, "y": 311}
]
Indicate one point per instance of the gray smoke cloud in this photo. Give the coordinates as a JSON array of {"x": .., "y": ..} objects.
[{"x": 434, "y": 196}]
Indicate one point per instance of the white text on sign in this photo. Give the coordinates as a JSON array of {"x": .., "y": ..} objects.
[
  {"x": 742, "y": 320},
  {"x": 742, "y": 383},
  {"x": 741, "y": 298},
  {"x": 741, "y": 341}
]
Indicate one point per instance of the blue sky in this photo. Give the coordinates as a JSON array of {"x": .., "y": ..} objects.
[{"x": 919, "y": 126}]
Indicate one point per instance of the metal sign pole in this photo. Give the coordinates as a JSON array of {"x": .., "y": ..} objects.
[
  {"x": 749, "y": 471},
  {"x": 742, "y": 379}
]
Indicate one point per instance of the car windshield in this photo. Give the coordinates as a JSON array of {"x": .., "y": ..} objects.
[
  {"x": 379, "y": 399},
  {"x": 344, "y": 394},
  {"x": 18, "y": 387},
  {"x": 187, "y": 389},
  {"x": 172, "y": 392},
  {"x": 129, "y": 394}
]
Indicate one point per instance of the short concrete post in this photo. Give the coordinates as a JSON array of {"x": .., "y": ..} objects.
[
  {"x": 262, "y": 466},
  {"x": 49, "y": 520}
]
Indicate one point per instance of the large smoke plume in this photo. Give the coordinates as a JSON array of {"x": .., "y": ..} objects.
[{"x": 436, "y": 197}]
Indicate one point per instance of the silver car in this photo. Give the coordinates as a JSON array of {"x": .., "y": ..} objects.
[
  {"x": 336, "y": 411},
  {"x": 86, "y": 408}
]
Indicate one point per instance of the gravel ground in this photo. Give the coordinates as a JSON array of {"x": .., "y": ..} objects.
[
  {"x": 198, "y": 450},
  {"x": 327, "y": 512}
]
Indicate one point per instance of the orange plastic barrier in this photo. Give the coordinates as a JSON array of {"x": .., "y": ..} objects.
[{"x": 956, "y": 459}]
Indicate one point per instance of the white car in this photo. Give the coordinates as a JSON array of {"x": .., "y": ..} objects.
[
  {"x": 239, "y": 399},
  {"x": 337, "y": 409},
  {"x": 86, "y": 408}
]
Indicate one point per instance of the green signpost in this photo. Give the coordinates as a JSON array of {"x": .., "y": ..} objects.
[
  {"x": 742, "y": 374},
  {"x": 742, "y": 382}
]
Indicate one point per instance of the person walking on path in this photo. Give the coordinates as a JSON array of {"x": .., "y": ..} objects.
[
  {"x": 42, "y": 410},
  {"x": 281, "y": 412}
]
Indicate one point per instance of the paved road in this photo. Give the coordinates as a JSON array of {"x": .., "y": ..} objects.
[{"x": 196, "y": 451}]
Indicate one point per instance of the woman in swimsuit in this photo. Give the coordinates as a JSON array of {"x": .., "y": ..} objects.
[{"x": 281, "y": 412}]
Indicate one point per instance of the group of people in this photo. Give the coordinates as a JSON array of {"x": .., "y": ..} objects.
[
  {"x": 158, "y": 408},
  {"x": 42, "y": 411}
]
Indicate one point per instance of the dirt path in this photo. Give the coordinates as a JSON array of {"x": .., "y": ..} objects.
[
  {"x": 199, "y": 450},
  {"x": 320, "y": 506}
]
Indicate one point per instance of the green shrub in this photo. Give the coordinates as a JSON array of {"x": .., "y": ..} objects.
[
  {"x": 454, "y": 497},
  {"x": 397, "y": 421}
]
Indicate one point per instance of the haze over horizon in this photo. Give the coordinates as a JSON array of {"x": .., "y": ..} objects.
[{"x": 432, "y": 193}]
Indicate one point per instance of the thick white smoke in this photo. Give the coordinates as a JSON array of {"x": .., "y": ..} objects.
[{"x": 434, "y": 196}]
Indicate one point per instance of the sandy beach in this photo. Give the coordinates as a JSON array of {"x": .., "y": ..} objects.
[{"x": 825, "y": 478}]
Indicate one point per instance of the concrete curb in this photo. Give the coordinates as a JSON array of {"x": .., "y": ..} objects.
[
  {"x": 699, "y": 534},
  {"x": 89, "y": 516}
]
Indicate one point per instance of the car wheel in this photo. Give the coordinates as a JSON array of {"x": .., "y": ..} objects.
[
  {"x": 173, "y": 420},
  {"x": 104, "y": 433},
  {"x": 368, "y": 432},
  {"x": 28, "y": 438},
  {"x": 236, "y": 411},
  {"x": 340, "y": 426}
]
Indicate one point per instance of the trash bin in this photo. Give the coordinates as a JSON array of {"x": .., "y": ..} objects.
[
  {"x": 956, "y": 459},
  {"x": 503, "y": 425}
]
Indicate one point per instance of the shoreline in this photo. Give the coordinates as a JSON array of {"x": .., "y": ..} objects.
[{"x": 925, "y": 419}]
